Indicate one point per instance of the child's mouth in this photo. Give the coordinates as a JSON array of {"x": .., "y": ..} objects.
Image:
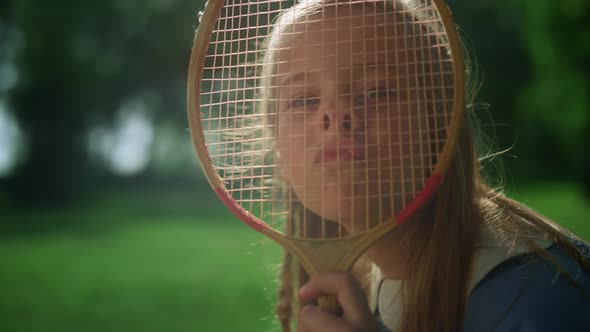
[{"x": 335, "y": 153}]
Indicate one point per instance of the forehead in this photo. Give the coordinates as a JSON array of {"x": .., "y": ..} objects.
[{"x": 343, "y": 37}]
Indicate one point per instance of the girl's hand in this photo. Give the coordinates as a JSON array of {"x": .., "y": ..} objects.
[{"x": 356, "y": 315}]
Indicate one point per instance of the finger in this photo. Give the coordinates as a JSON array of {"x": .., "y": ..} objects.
[
  {"x": 313, "y": 319},
  {"x": 346, "y": 289}
]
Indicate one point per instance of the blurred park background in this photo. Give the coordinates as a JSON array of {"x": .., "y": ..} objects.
[{"x": 106, "y": 223}]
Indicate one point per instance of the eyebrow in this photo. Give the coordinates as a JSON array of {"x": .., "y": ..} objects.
[
  {"x": 377, "y": 67},
  {"x": 293, "y": 77},
  {"x": 360, "y": 68}
]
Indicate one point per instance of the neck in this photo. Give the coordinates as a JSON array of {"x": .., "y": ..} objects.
[{"x": 388, "y": 254}]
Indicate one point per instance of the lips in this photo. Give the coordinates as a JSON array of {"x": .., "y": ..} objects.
[{"x": 344, "y": 150}]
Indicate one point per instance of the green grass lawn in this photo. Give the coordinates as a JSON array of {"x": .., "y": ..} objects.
[
  {"x": 131, "y": 268},
  {"x": 562, "y": 202},
  {"x": 162, "y": 262}
]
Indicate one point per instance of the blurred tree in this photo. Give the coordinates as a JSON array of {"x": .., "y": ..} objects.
[
  {"x": 555, "y": 104},
  {"x": 535, "y": 59},
  {"x": 81, "y": 61}
]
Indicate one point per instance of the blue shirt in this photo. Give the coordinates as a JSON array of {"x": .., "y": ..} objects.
[{"x": 528, "y": 293}]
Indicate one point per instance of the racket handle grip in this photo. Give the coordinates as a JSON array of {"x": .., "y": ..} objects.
[{"x": 330, "y": 304}]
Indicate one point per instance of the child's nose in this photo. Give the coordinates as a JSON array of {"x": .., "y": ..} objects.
[
  {"x": 336, "y": 120},
  {"x": 338, "y": 116}
]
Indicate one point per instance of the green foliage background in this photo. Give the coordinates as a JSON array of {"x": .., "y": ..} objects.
[{"x": 83, "y": 249}]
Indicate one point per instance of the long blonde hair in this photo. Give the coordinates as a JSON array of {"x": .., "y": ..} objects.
[{"x": 441, "y": 238}]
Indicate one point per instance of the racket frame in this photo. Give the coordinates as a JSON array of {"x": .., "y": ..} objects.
[{"x": 333, "y": 254}]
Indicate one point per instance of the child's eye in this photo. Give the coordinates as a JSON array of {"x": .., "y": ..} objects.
[
  {"x": 379, "y": 94},
  {"x": 303, "y": 102}
]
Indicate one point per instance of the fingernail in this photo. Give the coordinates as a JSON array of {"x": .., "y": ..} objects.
[
  {"x": 308, "y": 310},
  {"x": 303, "y": 290}
]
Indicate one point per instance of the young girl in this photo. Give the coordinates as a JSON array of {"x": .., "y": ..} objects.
[{"x": 470, "y": 259}]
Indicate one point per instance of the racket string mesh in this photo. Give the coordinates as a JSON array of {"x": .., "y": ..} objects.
[{"x": 260, "y": 100}]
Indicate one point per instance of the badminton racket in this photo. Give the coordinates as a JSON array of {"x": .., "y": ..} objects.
[{"x": 325, "y": 124}]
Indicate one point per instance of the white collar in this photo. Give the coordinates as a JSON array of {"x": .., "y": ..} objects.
[{"x": 490, "y": 252}]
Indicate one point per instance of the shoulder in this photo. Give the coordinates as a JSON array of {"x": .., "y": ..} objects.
[{"x": 530, "y": 293}]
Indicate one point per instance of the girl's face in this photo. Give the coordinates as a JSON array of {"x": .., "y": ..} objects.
[{"x": 345, "y": 124}]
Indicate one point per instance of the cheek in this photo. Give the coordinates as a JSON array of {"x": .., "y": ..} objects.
[
  {"x": 400, "y": 135},
  {"x": 390, "y": 131},
  {"x": 290, "y": 148}
]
